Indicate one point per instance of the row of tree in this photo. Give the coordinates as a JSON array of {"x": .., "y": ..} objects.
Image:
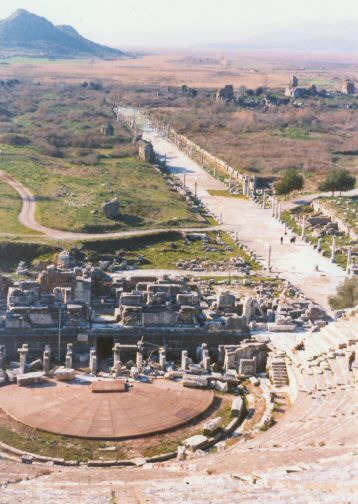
[{"x": 335, "y": 181}]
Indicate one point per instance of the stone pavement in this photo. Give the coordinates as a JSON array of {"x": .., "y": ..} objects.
[{"x": 73, "y": 410}]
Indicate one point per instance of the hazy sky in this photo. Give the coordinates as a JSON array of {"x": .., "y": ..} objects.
[{"x": 182, "y": 22}]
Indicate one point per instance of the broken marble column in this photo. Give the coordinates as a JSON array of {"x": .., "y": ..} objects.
[
  {"x": 221, "y": 354},
  {"x": 162, "y": 359},
  {"x": 319, "y": 245},
  {"x": 69, "y": 360},
  {"x": 48, "y": 349},
  {"x": 206, "y": 364},
  {"x": 334, "y": 248},
  {"x": 46, "y": 362},
  {"x": 264, "y": 200},
  {"x": 205, "y": 360},
  {"x": 23, "y": 351},
  {"x": 139, "y": 360},
  {"x": 205, "y": 353},
  {"x": 69, "y": 355},
  {"x": 184, "y": 359}
]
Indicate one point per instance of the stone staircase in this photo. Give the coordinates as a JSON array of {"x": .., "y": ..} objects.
[{"x": 278, "y": 371}]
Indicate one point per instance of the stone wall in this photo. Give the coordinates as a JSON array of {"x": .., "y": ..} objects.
[
  {"x": 321, "y": 206},
  {"x": 175, "y": 339}
]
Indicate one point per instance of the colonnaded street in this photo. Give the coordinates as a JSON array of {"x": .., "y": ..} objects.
[{"x": 299, "y": 263}]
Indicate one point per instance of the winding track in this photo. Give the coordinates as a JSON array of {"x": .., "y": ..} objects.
[{"x": 27, "y": 218}]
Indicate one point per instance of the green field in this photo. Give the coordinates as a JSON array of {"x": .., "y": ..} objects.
[
  {"x": 22, "y": 60},
  {"x": 52, "y": 141},
  {"x": 70, "y": 197}
]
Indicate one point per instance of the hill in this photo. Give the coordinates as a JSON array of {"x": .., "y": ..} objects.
[
  {"x": 26, "y": 34},
  {"x": 340, "y": 36}
]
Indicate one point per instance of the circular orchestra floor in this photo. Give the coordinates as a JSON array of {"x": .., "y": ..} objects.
[{"x": 72, "y": 409}]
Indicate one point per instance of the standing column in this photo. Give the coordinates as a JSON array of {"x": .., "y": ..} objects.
[
  {"x": 69, "y": 356},
  {"x": 303, "y": 227},
  {"x": 226, "y": 361},
  {"x": 264, "y": 200},
  {"x": 117, "y": 357},
  {"x": 93, "y": 361},
  {"x": 279, "y": 211},
  {"x": 244, "y": 186},
  {"x": 184, "y": 359},
  {"x": 349, "y": 258},
  {"x": 319, "y": 245},
  {"x": 48, "y": 349},
  {"x": 46, "y": 362},
  {"x": 23, "y": 351},
  {"x": 2, "y": 357},
  {"x": 334, "y": 247},
  {"x": 248, "y": 190},
  {"x": 221, "y": 354},
  {"x": 162, "y": 359},
  {"x": 273, "y": 207},
  {"x": 269, "y": 257}
]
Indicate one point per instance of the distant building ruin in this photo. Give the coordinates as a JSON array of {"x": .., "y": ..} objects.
[
  {"x": 295, "y": 91},
  {"x": 348, "y": 87},
  {"x": 226, "y": 93}
]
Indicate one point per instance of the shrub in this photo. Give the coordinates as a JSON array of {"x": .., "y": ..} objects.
[
  {"x": 292, "y": 180},
  {"x": 14, "y": 139},
  {"x": 347, "y": 295},
  {"x": 338, "y": 180}
]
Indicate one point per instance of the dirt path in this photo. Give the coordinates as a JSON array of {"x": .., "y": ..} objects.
[{"x": 27, "y": 218}]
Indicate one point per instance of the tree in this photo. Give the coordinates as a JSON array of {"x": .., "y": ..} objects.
[
  {"x": 347, "y": 295},
  {"x": 338, "y": 180},
  {"x": 292, "y": 180}
]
